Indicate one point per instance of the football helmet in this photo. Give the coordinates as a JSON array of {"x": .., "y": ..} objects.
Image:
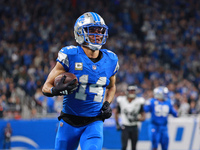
[
  {"x": 90, "y": 24},
  {"x": 131, "y": 91},
  {"x": 160, "y": 92}
]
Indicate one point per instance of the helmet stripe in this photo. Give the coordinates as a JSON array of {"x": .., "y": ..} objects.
[{"x": 95, "y": 16}]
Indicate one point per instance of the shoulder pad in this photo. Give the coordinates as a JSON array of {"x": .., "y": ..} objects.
[
  {"x": 110, "y": 54},
  {"x": 120, "y": 98},
  {"x": 148, "y": 102},
  {"x": 69, "y": 50},
  {"x": 141, "y": 100}
]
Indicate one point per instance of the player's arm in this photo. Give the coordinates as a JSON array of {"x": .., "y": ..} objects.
[
  {"x": 142, "y": 115},
  {"x": 111, "y": 89},
  {"x": 117, "y": 112},
  {"x": 147, "y": 106},
  {"x": 106, "y": 111},
  {"x": 61, "y": 88},
  {"x": 58, "y": 69},
  {"x": 173, "y": 111}
]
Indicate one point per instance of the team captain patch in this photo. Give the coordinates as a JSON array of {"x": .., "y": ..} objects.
[{"x": 78, "y": 66}]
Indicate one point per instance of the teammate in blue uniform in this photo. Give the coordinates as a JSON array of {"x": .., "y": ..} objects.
[
  {"x": 84, "y": 107},
  {"x": 160, "y": 108}
]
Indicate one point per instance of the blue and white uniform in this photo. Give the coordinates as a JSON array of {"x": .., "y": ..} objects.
[
  {"x": 87, "y": 100},
  {"x": 160, "y": 111}
]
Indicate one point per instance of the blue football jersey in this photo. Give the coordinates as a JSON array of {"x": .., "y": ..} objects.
[
  {"x": 159, "y": 111},
  {"x": 92, "y": 78}
]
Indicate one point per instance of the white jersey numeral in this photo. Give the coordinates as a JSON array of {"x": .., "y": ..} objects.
[
  {"x": 93, "y": 88},
  {"x": 71, "y": 47},
  {"x": 161, "y": 110}
]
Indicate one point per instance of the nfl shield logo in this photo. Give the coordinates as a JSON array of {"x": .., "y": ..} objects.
[{"x": 94, "y": 67}]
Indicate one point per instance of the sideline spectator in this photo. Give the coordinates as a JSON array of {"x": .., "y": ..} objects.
[
  {"x": 2, "y": 108},
  {"x": 7, "y": 136},
  {"x": 157, "y": 43}
]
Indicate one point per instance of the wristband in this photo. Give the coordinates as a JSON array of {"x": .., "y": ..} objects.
[{"x": 51, "y": 90}]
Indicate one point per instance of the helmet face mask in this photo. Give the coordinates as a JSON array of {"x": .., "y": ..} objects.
[
  {"x": 131, "y": 91},
  {"x": 91, "y": 31},
  {"x": 160, "y": 93}
]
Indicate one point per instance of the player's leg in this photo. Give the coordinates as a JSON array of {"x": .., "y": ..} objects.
[
  {"x": 124, "y": 137},
  {"x": 164, "y": 139},
  {"x": 67, "y": 137},
  {"x": 155, "y": 137},
  {"x": 92, "y": 137},
  {"x": 134, "y": 137}
]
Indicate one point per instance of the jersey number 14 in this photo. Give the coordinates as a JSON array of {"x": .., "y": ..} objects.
[{"x": 93, "y": 88}]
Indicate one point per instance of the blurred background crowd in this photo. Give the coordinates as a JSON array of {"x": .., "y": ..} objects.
[{"x": 158, "y": 43}]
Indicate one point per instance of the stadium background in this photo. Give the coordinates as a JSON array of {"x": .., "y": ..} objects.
[{"x": 156, "y": 42}]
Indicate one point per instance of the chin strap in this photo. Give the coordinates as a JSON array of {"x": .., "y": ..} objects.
[{"x": 93, "y": 46}]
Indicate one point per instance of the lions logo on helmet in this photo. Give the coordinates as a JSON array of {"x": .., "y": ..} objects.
[{"x": 87, "y": 22}]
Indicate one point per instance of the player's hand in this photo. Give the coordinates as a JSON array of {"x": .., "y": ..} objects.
[
  {"x": 118, "y": 127},
  {"x": 106, "y": 111},
  {"x": 64, "y": 88}
]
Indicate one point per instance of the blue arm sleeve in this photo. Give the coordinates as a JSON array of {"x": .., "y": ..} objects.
[
  {"x": 147, "y": 106},
  {"x": 173, "y": 111}
]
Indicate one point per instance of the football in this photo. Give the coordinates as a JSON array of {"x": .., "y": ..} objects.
[{"x": 69, "y": 77}]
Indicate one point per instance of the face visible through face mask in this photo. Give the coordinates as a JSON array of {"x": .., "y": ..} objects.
[
  {"x": 98, "y": 30},
  {"x": 131, "y": 94},
  {"x": 131, "y": 91},
  {"x": 95, "y": 34}
]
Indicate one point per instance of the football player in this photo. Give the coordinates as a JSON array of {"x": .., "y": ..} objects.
[
  {"x": 130, "y": 108},
  {"x": 160, "y": 107},
  {"x": 84, "y": 107}
]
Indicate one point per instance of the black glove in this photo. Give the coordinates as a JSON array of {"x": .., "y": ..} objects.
[
  {"x": 106, "y": 111},
  {"x": 118, "y": 127},
  {"x": 64, "y": 88}
]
